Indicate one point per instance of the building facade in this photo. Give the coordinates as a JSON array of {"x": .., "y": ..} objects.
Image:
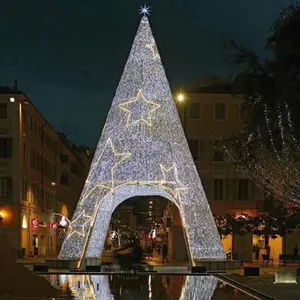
[
  {"x": 208, "y": 113},
  {"x": 41, "y": 176}
]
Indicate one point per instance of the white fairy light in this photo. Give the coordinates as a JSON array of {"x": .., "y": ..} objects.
[{"x": 142, "y": 152}]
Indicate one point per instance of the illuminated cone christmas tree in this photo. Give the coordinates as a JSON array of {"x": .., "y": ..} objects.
[{"x": 142, "y": 152}]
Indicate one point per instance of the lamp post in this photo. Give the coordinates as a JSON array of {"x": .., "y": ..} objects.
[
  {"x": 1, "y": 221},
  {"x": 181, "y": 99}
]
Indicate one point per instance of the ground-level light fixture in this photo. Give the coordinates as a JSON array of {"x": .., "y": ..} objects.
[{"x": 63, "y": 222}]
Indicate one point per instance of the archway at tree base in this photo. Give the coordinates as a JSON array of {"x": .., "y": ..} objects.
[{"x": 98, "y": 232}]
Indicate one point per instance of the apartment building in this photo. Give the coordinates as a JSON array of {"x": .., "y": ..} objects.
[
  {"x": 41, "y": 176},
  {"x": 209, "y": 112}
]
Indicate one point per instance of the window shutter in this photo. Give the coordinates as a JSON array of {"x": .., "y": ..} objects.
[
  {"x": 9, "y": 187},
  {"x": 234, "y": 189},
  {"x": 252, "y": 189},
  {"x": 9, "y": 147},
  {"x": 228, "y": 190}
]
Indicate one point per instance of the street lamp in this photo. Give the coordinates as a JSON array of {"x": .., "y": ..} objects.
[{"x": 181, "y": 99}]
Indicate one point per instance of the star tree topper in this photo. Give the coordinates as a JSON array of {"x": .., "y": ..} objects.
[{"x": 145, "y": 10}]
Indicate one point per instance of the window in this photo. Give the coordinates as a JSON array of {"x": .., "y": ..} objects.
[
  {"x": 3, "y": 110},
  {"x": 6, "y": 147},
  {"x": 194, "y": 110},
  {"x": 48, "y": 199},
  {"x": 34, "y": 195},
  {"x": 194, "y": 148},
  {"x": 24, "y": 154},
  {"x": 64, "y": 158},
  {"x": 64, "y": 179},
  {"x": 39, "y": 162},
  {"x": 31, "y": 123},
  {"x": 5, "y": 187},
  {"x": 23, "y": 115},
  {"x": 25, "y": 189},
  {"x": 33, "y": 158},
  {"x": 243, "y": 190},
  {"x": 218, "y": 189},
  {"x": 220, "y": 111},
  {"x": 218, "y": 154}
]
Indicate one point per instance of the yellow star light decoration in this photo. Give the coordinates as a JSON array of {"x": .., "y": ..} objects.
[
  {"x": 80, "y": 221},
  {"x": 155, "y": 54},
  {"x": 120, "y": 157},
  {"x": 139, "y": 100},
  {"x": 170, "y": 181}
]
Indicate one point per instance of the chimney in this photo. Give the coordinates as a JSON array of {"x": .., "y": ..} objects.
[{"x": 15, "y": 85}]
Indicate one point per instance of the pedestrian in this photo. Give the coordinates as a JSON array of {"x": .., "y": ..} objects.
[{"x": 165, "y": 253}]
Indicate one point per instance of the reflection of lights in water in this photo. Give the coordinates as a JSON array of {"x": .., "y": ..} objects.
[
  {"x": 152, "y": 234},
  {"x": 101, "y": 287},
  {"x": 63, "y": 279},
  {"x": 150, "y": 287},
  {"x": 79, "y": 289},
  {"x": 198, "y": 287}
]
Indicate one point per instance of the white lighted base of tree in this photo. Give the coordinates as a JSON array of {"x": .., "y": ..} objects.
[{"x": 142, "y": 151}]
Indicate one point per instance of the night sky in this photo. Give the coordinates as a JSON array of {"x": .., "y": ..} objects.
[{"x": 68, "y": 55}]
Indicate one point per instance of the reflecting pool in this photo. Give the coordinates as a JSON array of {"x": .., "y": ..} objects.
[{"x": 150, "y": 287}]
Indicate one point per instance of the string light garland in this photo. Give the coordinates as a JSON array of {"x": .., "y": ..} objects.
[
  {"x": 142, "y": 152},
  {"x": 269, "y": 156}
]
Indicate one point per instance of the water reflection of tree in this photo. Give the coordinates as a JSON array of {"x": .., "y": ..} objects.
[
  {"x": 120, "y": 284},
  {"x": 199, "y": 287},
  {"x": 173, "y": 286}
]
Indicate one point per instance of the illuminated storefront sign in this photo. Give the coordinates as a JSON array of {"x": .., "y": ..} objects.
[{"x": 35, "y": 223}]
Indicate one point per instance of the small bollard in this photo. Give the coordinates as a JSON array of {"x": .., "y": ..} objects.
[
  {"x": 78, "y": 284},
  {"x": 97, "y": 286}
]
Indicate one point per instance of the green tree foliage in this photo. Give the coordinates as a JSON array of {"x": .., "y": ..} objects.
[{"x": 277, "y": 222}]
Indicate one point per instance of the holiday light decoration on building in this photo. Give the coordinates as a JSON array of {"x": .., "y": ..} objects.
[{"x": 142, "y": 152}]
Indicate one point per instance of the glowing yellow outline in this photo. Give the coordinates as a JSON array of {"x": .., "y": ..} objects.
[
  {"x": 141, "y": 96},
  {"x": 155, "y": 55},
  {"x": 112, "y": 183},
  {"x": 158, "y": 184},
  {"x": 71, "y": 231},
  {"x": 175, "y": 191}
]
